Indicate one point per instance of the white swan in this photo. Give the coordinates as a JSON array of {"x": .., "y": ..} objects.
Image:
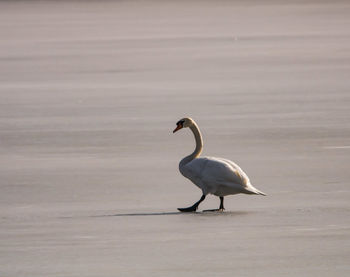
[{"x": 216, "y": 176}]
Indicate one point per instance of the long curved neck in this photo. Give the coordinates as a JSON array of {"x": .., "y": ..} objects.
[{"x": 199, "y": 144}]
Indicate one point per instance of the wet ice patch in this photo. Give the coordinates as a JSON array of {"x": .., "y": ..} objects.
[{"x": 337, "y": 147}]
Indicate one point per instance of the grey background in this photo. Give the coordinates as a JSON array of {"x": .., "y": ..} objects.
[{"x": 90, "y": 92}]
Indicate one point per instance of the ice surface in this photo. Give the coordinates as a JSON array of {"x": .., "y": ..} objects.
[{"x": 90, "y": 92}]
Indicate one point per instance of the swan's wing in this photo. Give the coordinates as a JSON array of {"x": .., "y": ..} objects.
[
  {"x": 209, "y": 173},
  {"x": 237, "y": 170},
  {"x": 224, "y": 171},
  {"x": 249, "y": 188}
]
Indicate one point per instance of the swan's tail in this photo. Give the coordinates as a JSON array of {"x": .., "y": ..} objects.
[
  {"x": 259, "y": 192},
  {"x": 252, "y": 190}
]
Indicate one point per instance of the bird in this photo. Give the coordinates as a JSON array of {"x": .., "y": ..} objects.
[{"x": 217, "y": 176}]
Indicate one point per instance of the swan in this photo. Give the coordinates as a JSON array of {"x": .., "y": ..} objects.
[{"x": 212, "y": 175}]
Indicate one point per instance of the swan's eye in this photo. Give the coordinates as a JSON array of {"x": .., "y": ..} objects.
[{"x": 181, "y": 122}]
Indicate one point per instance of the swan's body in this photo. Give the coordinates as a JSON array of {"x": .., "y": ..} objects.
[
  {"x": 212, "y": 175},
  {"x": 217, "y": 176}
]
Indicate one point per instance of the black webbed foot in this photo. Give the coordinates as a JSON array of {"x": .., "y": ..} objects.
[
  {"x": 188, "y": 210},
  {"x": 193, "y": 208}
]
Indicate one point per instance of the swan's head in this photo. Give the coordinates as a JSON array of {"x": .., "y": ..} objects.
[{"x": 183, "y": 123}]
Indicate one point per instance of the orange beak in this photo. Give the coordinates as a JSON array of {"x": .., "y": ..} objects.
[{"x": 178, "y": 127}]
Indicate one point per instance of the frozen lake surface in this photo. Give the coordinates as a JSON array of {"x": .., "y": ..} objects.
[{"x": 90, "y": 92}]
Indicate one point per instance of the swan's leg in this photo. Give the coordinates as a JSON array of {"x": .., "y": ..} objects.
[
  {"x": 221, "y": 204},
  {"x": 221, "y": 208},
  {"x": 194, "y": 207}
]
